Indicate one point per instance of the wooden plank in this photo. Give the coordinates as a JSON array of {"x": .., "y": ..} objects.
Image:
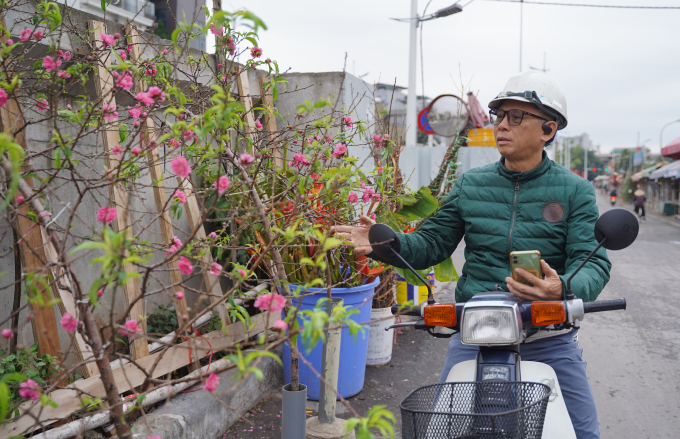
[
  {"x": 159, "y": 194},
  {"x": 130, "y": 376},
  {"x": 244, "y": 96},
  {"x": 194, "y": 218},
  {"x": 117, "y": 194},
  {"x": 270, "y": 122},
  {"x": 68, "y": 305}
]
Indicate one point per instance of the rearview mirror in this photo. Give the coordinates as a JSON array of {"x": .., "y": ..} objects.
[
  {"x": 384, "y": 241},
  {"x": 618, "y": 228}
]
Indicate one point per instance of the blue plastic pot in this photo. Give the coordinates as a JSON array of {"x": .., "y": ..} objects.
[{"x": 352, "y": 351}]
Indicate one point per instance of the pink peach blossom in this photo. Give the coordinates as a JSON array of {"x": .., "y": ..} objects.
[
  {"x": 368, "y": 194},
  {"x": 124, "y": 80},
  {"x": 353, "y": 197},
  {"x": 63, "y": 74},
  {"x": 176, "y": 241},
  {"x": 123, "y": 54},
  {"x": 38, "y": 35},
  {"x": 270, "y": 302},
  {"x": 246, "y": 159},
  {"x": 373, "y": 217},
  {"x": 135, "y": 112},
  {"x": 222, "y": 184},
  {"x": 107, "y": 214},
  {"x": 130, "y": 328},
  {"x": 340, "y": 150},
  {"x": 255, "y": 52},
  {"x": 110, "y": 112},
  {"x": 69, "y": 323},
  {"x": 3, "y": 97},
  {"x": 108, "y": 40},
  {"x": 20, "y": 199},
  {"x": 347, "y": 121},
  {"x": 29, "y": 389},
  {"x": 42, "y": 105},
  {"x": 185, "y": 266},
  {"x": 181, "y": 196},
  {"x": 280, "y": 325},
  {"x": 212, "y": 382},
  {"x": 215, "y": 269},
  {"x": 136, "y": 151},
  {"x": 180, "y": 166},
  {"x": 212, "y": 235},
  {"x": 10, "y": 42},
  {"x": 258, "y": 124},
  {"x": 49, "y": 64},
  {"x": 216, "y": 31},
  {"x": 7, "y": 333},
  {"x": 179, "y": 295},
  {"x": 25, "y": 35}
]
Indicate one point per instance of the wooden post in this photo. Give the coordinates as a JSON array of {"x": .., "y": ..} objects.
[
  {"x": 270, "y": 122},
  {"x": 118, "y": 195},
  {"x": 244, "y": 96}
]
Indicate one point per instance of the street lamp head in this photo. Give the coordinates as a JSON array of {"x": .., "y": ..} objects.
[{"x": 450, "y": 10}]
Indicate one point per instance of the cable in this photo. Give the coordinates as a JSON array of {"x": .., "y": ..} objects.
[{"x": 587, "y": 6}]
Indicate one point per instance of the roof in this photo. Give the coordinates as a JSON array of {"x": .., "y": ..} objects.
[
  {"x": 646, "y": 172},
  {"x": 672, "y": 170}
]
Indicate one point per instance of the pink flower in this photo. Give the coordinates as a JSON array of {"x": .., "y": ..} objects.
[
  {"x": 136, "y": 151},
  {"x": 10, "y": 42},
  {"x": 176, "y": 241},
  {"x": 130, "y": 328},
  {"x": 353, "y": 197},
  {"x": 212, "y": 235},
  {"x": 171, "y": 250},
  {"x": 151, "y": 96},
  {"x": 165, "y": 52},
  {"x": 25, "y": 35},
  {"x": 328, "y": 139},
  {"x": 69, "y": 323},
  {"x": 135, "y": 112},
  {"x": 258, "y": 124},
  {"x": 216, "y": 31},
  {"x": 7, "y": 333},
  {"x": 124, "y": 81},
  {"x": 368, "y": 194},
  {"x": 108, "y": 40},
  {"x": 270, "y": 302},
  {"x": 110, "y": 112},
  {"x": 246, "y": 159},
  {"x": 280, "y": 325},
  {"x": 347, "y": 121},
  {"x": 180, "y": 196},
  {"x": 100, "y": 293},
  {"x": 256, "y": 52},
  {"x": 215, "y": 269},
  {"x": 3, "y": 97},
  {"x": 63, "y": 74},
  {"x": 381, "y": 169},
  {"x": 185, "y": 266},
  {"x": 373, "y": 217},
  {"x": 123, "y": 55},
  {"x": 151, "y": 70},
  {"x": 340, "y": 150},
  {"x": 212, "y": 382},
  {"x": 179, "y": 295},
  {"x": 107, "y": 214},
  {"x": 42, "y": 105},
  {"x": 117, "y": 150},
  {"x": 29, "y": 390},
  {"x": 173, "y": 143},
  {"x": 188, "y": 134},
  {"x": 222, "y": 184},
  {"x": 66, "y": 56},
  {"x": 20, "y": 199},
  {"x": 38, "y": 35},
  {"x": 180, "y": 166},
  {"x": 154, "y": 437},
  {"x": 362, "y": 184},
  {"x": 117, "y": 35},
  {"x": 299, "y": 160},
  {"x": 49, "y": 64}
]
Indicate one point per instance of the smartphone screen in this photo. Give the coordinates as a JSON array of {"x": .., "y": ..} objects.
[{"x": 527, "y": 260}]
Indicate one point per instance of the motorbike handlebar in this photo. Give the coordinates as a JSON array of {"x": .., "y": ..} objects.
[
  {"x": 406, "y": 311},
  {"x": 604, "y": 305}
]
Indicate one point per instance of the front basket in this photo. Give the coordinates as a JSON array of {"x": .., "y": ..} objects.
[{"x": 484, "y": 410}]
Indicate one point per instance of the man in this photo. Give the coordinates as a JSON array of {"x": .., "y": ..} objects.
[{"x": 523, "y": 202}]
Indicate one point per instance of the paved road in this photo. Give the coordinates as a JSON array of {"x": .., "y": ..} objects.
[{"x": 634, "y": 355}]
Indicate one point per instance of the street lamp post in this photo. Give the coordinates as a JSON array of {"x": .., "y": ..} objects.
[
  {"x": 661, "y": 133},
  {"x": 411, "y": 98}
]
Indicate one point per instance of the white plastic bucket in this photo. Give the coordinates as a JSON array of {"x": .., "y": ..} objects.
[{"x": 379, "y": 340}]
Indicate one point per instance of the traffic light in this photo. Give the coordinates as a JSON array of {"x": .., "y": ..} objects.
[
  {"x": 594, "y": 169},
  {"x": 606, "y": 169}
]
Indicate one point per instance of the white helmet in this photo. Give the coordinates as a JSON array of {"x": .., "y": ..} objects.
[{"x": 536, "y": 88}]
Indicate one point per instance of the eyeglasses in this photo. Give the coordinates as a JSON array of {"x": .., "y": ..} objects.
[{"x": 515, "y": 116}]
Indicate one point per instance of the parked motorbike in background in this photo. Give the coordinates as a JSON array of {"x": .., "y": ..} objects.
[
  {"x": 498, "y": 395},
  {"x": 613, "y": 200}
]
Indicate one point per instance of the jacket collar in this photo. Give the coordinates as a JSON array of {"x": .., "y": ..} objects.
[{"x": 524, "y": 176}]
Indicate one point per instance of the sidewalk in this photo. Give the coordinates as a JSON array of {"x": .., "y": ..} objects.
[{"x": 667, "y": 219}]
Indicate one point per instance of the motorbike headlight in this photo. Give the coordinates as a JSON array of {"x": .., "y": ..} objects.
[{"x": 490, "y": 326}]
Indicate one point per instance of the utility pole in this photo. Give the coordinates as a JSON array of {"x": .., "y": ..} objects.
[
  {"x": 521, "y": 16},
  {"x": 411, "y": 123},
  {"x": 585, "y": 161}
]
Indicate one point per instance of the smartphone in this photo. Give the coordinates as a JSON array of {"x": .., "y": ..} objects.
[{"x": 528, "y": 260}]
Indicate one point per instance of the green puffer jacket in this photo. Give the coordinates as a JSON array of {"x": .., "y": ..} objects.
[{"x": 548, "y": 209}]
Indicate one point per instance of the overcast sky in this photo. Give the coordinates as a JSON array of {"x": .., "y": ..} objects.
[{"x": 620, "y": 69}]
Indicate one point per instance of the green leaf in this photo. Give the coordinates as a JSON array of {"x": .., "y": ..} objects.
[
  {"x": 445, "y": 271},
  {"x": 122, "y": 132},
  {"x": 104, "y": 5},
  {"x": 423, "y": 208},
  {"x": 4, "y": 400},
  {"x": 412, "y": 278}
]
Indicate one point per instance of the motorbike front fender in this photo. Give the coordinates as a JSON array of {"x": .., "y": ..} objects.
[{"x": 557, "y": 423}]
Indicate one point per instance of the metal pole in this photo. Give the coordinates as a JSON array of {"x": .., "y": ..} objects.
[
  {"x": 521, "y": 16},
  {"x": 410, "y": 122},
  {"x": 585, "y": 161}
]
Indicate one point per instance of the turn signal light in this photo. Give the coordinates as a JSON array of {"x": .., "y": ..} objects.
[
  {"x": 440, "y": 315},
  {"x": 548, "y": 313}
]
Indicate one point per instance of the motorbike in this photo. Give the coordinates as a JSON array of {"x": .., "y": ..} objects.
[
  {"x": 613, "y": 200},
  {"x": 498, "y": 395}
]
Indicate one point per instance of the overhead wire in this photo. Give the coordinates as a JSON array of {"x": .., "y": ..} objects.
[{"x": 586, "y": 5}]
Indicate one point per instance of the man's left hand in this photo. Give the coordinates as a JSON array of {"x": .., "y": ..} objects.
[{"x": 549, "y": 288}]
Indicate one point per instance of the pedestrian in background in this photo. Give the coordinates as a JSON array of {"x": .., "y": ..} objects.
[{"x": 639, "y": 202}]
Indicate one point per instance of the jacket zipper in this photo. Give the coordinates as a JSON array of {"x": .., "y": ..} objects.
[{"x": 514, "y": 213}]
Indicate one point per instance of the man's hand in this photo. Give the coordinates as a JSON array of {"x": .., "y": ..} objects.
[
  {"x": 549, "y": 288},
  {"x": 356, "y": 235}
]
